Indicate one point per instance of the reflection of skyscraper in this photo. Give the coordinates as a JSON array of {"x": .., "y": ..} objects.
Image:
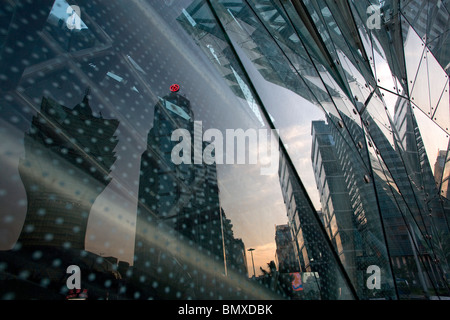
[
  {"x": 68, "y": 156},
  {"x": 363, "y": 231},
  {"x": 337, "y": 213},
  {"x": 312, "y": 250},
  {"x": 439, "y": 166},
  {"x": 421, "y": 190},
  {"x": 366, "y": 236},
  {"x": 177, "y": 195},
  {"x": 287, "y": 261},
  {"x": 236, "y": 257},
  {"x": 196, "y": 20},
  {"x": 441, "y": 174},
  {"x": 182, "y": 198}
]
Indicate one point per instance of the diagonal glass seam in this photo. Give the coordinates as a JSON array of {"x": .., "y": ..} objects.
[
  {"x": 312, "y": 64},
  {"x": 412, "y": 80},
  {"x": 427, "y": 66},
  {"x": 293, "y": 66},
  {"x": 431, "y": 8},
  {"x": 383, "y": 229},
  {"x": 417, "y": 16},
  {"x": 427, "y": 41},
  {"x": 284, "y": 151},
  {"x": 341, "y": 55},
  {"x": 396, "y": 139},
  {"x": 275, "y": 40},
  {"x": 356, "y": 31},
  {"x": 349, "y": 47},
  {"x": 431, "y": 248},
  {"x": 358, "y": 40},
  {"x": 428, "y": 116},
  {"x": 304, "y": 15},
  {"x": 366, "y": 103},
  {"x": 384, "y": 36},
  {"x": 436, "y": 107},
  {"x": 349, "y": 57},
  {"x": 443, "y": 34},
  {"x": 323, "y": 82},
  {"x": 407, "y": 225}
]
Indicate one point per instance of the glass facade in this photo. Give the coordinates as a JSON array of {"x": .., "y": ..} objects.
[{"x": 224, "y": 150}]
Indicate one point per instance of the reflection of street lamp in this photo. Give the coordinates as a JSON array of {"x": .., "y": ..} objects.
[{"x": 251, "y": 251}]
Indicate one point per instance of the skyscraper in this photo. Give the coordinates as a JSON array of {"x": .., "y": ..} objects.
[
  {"x": 337, "y": 213},
  {"x": 439, "y": 166},
  {"x": 180, "y": 200},
  {"x": 375, "y": 72},
  {"x": 235, "y": 254},
  {"x": 68, "y": 156},
  {"x": 440, "y": 173},
  {"x": 311, "y": 248},
  {"x": 287, "y": 261}
]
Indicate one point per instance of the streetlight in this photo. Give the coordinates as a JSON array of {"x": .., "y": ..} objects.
[{"x": 253, "y": 263}]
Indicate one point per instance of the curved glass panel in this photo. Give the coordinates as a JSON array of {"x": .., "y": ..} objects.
[{"x": 224, "y": 150}]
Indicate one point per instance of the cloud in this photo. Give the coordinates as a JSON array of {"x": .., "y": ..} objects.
[{"x": 262, "y": 255}]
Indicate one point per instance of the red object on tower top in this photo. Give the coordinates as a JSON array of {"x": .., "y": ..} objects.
[{"x": 175, "y": 88}]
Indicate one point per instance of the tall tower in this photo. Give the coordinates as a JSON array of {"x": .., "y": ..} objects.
[
  {"x": 337, "y": 212},
  {"x": 313, "y": 253},
  {"x": 287, "y": 261},
  {"x": 180, "y": 201},
  {"x": 67, "y": 162}
]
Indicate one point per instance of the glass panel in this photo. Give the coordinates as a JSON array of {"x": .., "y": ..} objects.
[
  {"x": 441, "y": 115},
  {"x": 18, "y": 42},
  {"x": 414, "y": 53},
  {"x": 427, "y": 90},
  {"x": 210, "y": 149},
  {"x": 430, "y": 19},
  {"x": 136, "y": 162},
  {"x": 67, "y": 26},
  {"x": 90, "y": 159},
  {"x": 314, "y": 244},
  {"x": 413, "y": 211}
]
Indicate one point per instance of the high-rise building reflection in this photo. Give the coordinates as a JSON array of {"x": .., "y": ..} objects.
[
  {"x": 68, "y": 156},
  {"x": 360, "y": 234},
  {"x": 312, "y": 250},
  {"x": 337, "y": 213},
  {"x": 183, "y": 200},
  {"x": 285, "y": 254}
]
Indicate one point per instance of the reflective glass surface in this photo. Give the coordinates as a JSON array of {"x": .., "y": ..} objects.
[{"x": 224, "y": 150}]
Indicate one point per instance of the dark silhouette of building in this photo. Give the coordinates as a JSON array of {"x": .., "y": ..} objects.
[
  {"x": 235, "y": 254},
  {"x": 68, "y": 156},
  {"x": 287, "y": 262},
  {"x": 181, "y": 201}
]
